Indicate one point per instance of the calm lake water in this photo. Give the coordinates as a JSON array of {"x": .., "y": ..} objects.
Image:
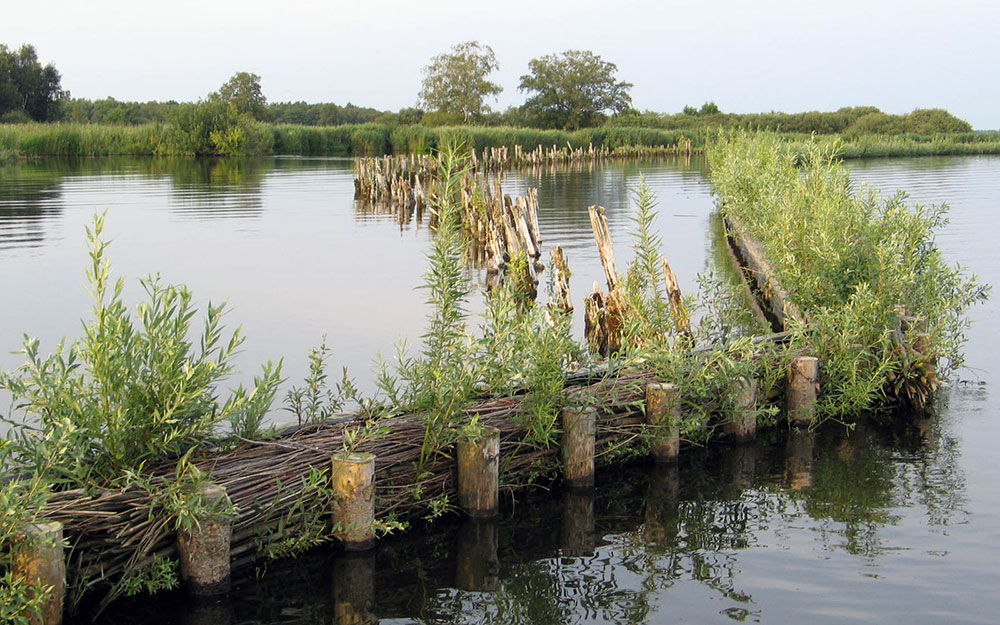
[{"x": 872, "y": 527}]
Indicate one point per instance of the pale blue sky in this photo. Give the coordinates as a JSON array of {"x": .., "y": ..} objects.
[{"x": 747, "y": 56}]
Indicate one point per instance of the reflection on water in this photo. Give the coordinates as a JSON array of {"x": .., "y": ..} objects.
[
  {"x": 715, "y": 535},
  {"x": 25, "y": 208}
]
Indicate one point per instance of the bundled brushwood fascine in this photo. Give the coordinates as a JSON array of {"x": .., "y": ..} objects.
[{"x": 112, "y": 532}]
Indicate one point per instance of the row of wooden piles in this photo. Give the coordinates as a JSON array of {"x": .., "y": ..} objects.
[
  {"x": 406, "y": 182},
  {"x": 497, "y": 229},
  {"x": 503, "y": 158},
  {"x": 112, "y": 532}
]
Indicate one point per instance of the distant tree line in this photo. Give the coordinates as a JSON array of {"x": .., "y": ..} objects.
[
  {"x": 112, "y": 111},
  {"x": 848, "y": 121},
  {"x": 567, "y": 91}
]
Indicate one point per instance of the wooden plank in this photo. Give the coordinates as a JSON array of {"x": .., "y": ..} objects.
[{"x": 775, "y": 297}]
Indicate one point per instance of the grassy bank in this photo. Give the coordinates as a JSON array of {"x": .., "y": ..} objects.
[{"x": 245, "y": 138}]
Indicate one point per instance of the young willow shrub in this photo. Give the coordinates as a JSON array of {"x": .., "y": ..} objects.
[
  {"x": 653, "y": 340},
  {"x": 133, "y": 390},
  {"x": 887, "y": 312},
  {"x": 439, "y": 383},
  {"x": 526, "y": 349}
]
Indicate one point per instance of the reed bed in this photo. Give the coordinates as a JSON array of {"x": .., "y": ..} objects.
[{"x": 73, "y": 139}]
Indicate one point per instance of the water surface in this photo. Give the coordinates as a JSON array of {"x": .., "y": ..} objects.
[{"x": 873, "y": 526}]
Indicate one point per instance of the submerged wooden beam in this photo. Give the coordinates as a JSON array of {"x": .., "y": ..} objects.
[{"x": 781, "y": 311}]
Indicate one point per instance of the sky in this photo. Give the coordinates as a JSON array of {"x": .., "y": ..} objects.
[{"x": 745, "y": 55}]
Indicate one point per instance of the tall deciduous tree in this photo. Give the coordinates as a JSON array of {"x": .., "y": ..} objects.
[
  {"x": 27, "y": 88},
  {"x": 456, "y": 82},
  {"x": 573, "y": 89},
  {"x": 243, "y": 91}
]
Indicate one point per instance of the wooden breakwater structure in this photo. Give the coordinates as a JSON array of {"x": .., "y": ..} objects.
[
  {"x": 497, "y": 228},
  {"x": 503, "y": 158},
  {"x": 406, "y": 181},
  {"x": 266, "y": 495},
  {"x": 115, "y": 532}
]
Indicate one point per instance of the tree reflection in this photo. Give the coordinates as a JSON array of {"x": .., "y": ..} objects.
[{"x": 27, "y": 206}]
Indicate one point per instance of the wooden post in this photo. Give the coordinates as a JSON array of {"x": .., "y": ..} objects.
[
  {"x": 579, "y": 434},
  {"x": 663, "y": 415},
  {"x": 479, "y": 474},
  {"x": 40, "y": 560},
  {"x": 803, "y": 386},
  {"x": 678, "y": 310},
  {"x": 602, "y": 235},
  {"x": 353, "y": 507},
  {"x": 354, "y": 589},
  {"x": 204, "y": 547},
  {"x": 561, "y": 274},
  {"x": 477, "y": 563},
  {"x": 742, "y": 424}
]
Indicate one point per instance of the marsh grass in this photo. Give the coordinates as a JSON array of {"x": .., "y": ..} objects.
[{"x": 191, "y": 127}]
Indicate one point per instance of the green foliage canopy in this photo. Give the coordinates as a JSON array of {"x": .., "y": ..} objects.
[
  {"x": 28, "y": 90},
  {"x": 244, "y": 92},
  {"x": 456, "y": 82},
  {"x": 573, "y": 89}
]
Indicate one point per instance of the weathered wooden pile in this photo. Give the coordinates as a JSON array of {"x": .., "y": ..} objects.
[{"x": 497, "y": 229}]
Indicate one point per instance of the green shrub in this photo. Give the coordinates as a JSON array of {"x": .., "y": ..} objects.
[
  {"x": 887, "y": 311},
  {"x": 131, "y": 391}
]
